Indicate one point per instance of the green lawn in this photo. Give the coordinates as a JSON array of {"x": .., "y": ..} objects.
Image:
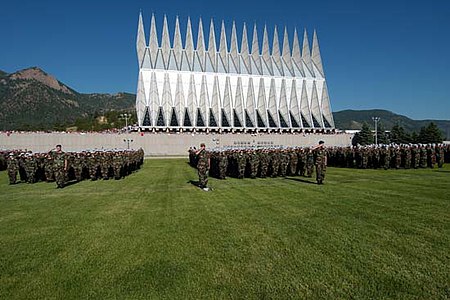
[{"x": 365, "y": 234}]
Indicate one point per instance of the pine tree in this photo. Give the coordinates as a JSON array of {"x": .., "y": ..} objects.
[
  {"x": 381, "y": 135},
  {"x": 364, "y": 137},
  {"x": 414, "y": 137},
  {"x": 399, "y": 135},
  {"x": 430, "y": 134}
]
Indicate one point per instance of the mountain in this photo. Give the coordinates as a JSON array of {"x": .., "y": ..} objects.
[
  {"x": 353, "y": 119},
  {"x": 3, "y": 74},
  {"x": 33, "y": 99}
]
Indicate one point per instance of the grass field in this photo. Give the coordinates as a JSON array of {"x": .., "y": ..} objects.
[{"x": 365, "y": 234}]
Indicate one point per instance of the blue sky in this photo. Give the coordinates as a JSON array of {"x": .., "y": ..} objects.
[{"x": 390, "y": 55}]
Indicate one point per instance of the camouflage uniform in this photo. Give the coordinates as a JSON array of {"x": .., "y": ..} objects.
[
  {"x": 202, "y": 167},
  {"x": 30, "y": 168},
  {"x": 293, "y": 162},
  {"x": 440, "y": 156},
  {"x": 241, "y": 159},
  {"x": 13, "y": 167},
  {"x": 59, "y": 169},
  {"x": 320, "y": 162},
  {"x": 77, "y": 165},
  {"x": 274, "y": 163},
  {"x": 223, "y": 165},
  {"x": 254, "y": 163},
  {"x": 309, "y": 163},
  {"x": 264, "y": 162}
]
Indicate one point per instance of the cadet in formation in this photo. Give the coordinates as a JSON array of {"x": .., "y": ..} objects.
[
  {"x": 392, "y": 156},
  {"x": 203, "y": 163},
  {"x": 61, "y": 167},
  {"x": 264, "y": 162},
  {"x": 300, "y": 161}
]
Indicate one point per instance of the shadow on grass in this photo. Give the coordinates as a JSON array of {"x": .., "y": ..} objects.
[
  {"x": 441, "y": 171},
  {"x": 300, "y": 180},
  {"x": 194, "y": 183},
  {"x": 72, "y": 182}
]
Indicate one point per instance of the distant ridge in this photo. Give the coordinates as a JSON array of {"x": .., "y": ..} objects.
[
  {"x": 33, "y": 99},
  {"x": 353, "y": 119}
]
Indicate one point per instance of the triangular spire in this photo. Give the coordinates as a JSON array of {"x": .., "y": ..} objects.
[
  {"x": 215, "y": 105},
  {"x": 326, "y": 107},
  {"x": 141, "y": 44},
  {"x": 153, "y": 42},
  {"x": 239, "y": 104},
  {"x": 262, "y": 109},
  {"x": 167, "y": 99},
  {"x": 245, "y": 52},
  {"x": 283, "y": 110},
  {"x": 203, "y": 107},
  {"x": 276, "y": 54},
  {"x": 287, "y": 53},
  {"x": 189, "y": 43},
  {"x": 146, "y": 87},
  {"x": 315, "y": 107},
  {"x": 255, "y": 52},
  {"x": 179, "y": 99},
  {"x": 272, "y": 104},
  {"x": 188, "y": 48},
  {"x": 173, "y": 64},
  {"x": 266, "y": 53},
  {"x": 223, "y": 52},
  {"x": 306, "y": 54},
  {"x": 165, "y": 43},
  {"x": 226, "y": 104},
  {"x": 250, "y": 103},
  {"x": 154, "y": 98},
  {"x": 294, "y": 108},
  {"x": 199, "y": 58},
  {"x": 191, "y": 102},
  {"x": 212, "y": 49},
  {"x": 316, "y": 54},
  {"x": 296, "y": 55},
  {"x": 177, "y": 44},
  {"x": 234, "y": 53},
  {"x": 304, "y": 107},
  {"x": 141, "y": 101}
]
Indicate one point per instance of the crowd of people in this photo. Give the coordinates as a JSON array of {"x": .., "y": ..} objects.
[
  {"x": 260, "y": 162},
  {"x": 391, "y": 156},
  {"x": 264, "y": 162},
  {"x": 62, "y": 167}
]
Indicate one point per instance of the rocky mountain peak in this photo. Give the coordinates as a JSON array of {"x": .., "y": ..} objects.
[{"x": 39, "y": 75}]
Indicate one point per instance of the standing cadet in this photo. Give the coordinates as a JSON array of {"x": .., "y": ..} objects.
[
  {"x": 440, "y": 155},
  {"x": 293, "y": 161},
  {"x": 254, "y": 163},
  {"x": 30, "y": 167},
  {"x": 203, "y": 163},
  {"x": 223, "y": 164},
  {"x": 48, "y": 168},
  {"x": 309, "y": 162},
  {"x": 320, "y": 162},
  {"x": 13, "y": 167},
  {"x": 60, "y": 167},
  {"x": 264, "y": 162}
]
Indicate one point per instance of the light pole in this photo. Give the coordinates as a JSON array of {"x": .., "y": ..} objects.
[
  {"x": 125, "y": 116},
  {"x": 128, "y": 141},
  {"x": 376, "y": 119}
]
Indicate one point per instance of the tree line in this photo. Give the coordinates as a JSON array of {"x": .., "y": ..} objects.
[{"x": 429, "y": 134}]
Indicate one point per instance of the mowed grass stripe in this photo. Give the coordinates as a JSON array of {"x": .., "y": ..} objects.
[{"x": 364, "y": 234}]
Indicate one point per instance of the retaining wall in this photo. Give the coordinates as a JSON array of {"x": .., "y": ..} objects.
[{"x": 161, "y": 144}]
